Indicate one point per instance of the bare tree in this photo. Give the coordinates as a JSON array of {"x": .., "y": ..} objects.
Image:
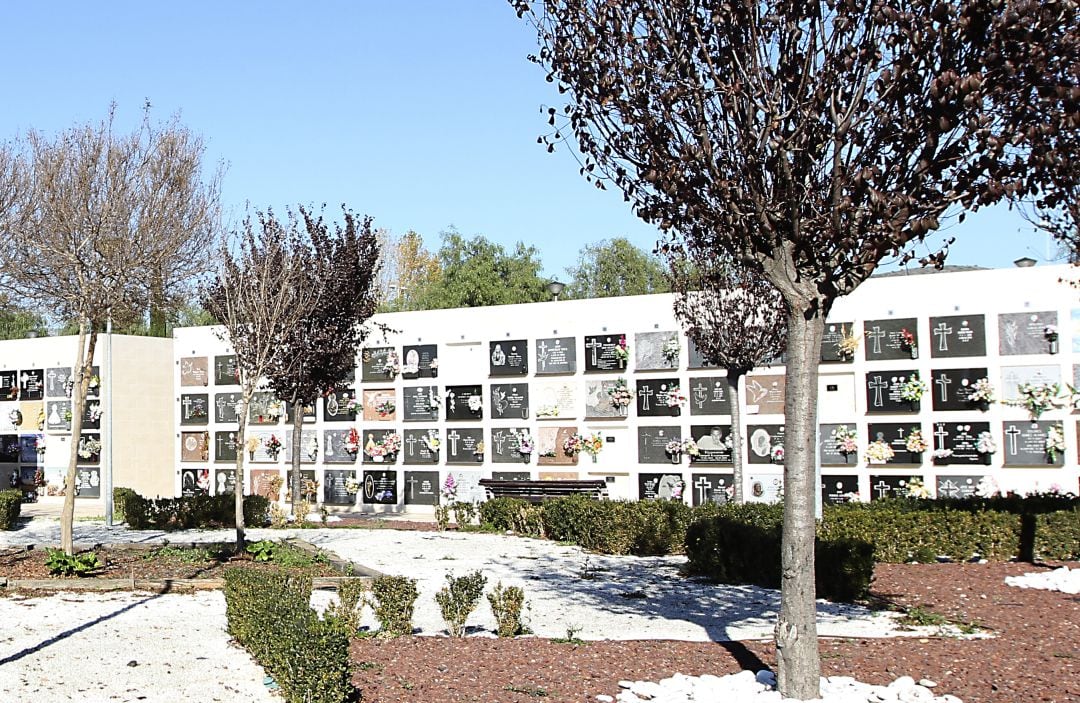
[
  {"x": 340, "y": 268},
  {"x": 808, "y": 141},
  {"x": 100, "y": 215}
]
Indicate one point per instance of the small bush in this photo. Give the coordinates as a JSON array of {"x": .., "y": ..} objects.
[
  {"x": 192, "y": 512},
  {"x": 60, "y": 563},
  {"x": 464, "y": 513},
  {"x": 349, "y": 606},
  {"x": 120, "y": 499},
  {"x": 10, "y": 508},
  {"x": 458, "y": 599},
  {"x": 506, "y": 605},
  {"x": 513, "y": 514},
  {"x": 395, "y": 597}
]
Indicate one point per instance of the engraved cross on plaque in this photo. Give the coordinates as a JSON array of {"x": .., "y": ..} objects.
[
  {"x": 593, "y": 346},
  {"x": 411, "y": 441},
  {"x": 875, "y": 335},
  {"x": 186, "y": 403},
  {"x": 412, "y": 480},
  {"x": 878, "y": 385},
  {"x": 883, "y": 489},
  {"x": 948, "y": 489},
  {"x": 499, "y": 440},
  {"x": 701, "y": 394},
  {"x": 453, "y": 437},
  {"x": 703, "y": 487},
  {"x": 943, "y": 382},
  {"x": 940, "y": 434},
  {"x": 542, "y": 355},
  {"x": 1012, "y": 434},
  {"x": 942, "y": 332},
  {"x": 645, "y": 393}
]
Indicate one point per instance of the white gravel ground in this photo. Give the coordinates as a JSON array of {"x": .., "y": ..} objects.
[{"x": 1064, "y": 579}]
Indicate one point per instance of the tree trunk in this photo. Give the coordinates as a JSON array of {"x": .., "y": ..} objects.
[
  {"x": 734, "y": 377},
  {"x": 241, "y": 452},
  {"x": 294, "y": 460},
  {"x": 798, "y": 663},
  {"x": 84, "y": 362},
  {"x": 159, "y": 323}
]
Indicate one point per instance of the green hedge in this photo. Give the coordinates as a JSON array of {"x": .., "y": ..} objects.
[
  {"x": 10, "y": 508},
  {"x": 269, "y": 614},
  {"x": 189, "y": 512},
  {"x": 120, "y": 499}
]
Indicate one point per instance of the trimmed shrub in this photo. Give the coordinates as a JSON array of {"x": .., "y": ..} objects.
[
  {"x": 10, "y": 508},
  {"x": 395, "y": 597},
  {"x": 349, "y": 604},
  {"x": 458, "y": 599},
  {"x": 192, "y": 512},
  {"x": 120, "y": 499},
  {"x": 269, "y": 613},
  {"x": 506, "y": 605},
  {"x": 1057, "y": 535},
  {"x": 512, "y": 514}
]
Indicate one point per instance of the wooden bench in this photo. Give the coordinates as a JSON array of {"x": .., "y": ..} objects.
[{"x": 538, "y": 491}]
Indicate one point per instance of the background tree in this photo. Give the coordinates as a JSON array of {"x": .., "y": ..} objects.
[
  {"x": 808, "y": 141},
  {"x": 99, "y": 215},
  {"x": 17, "y": 322},
  {"x": 340, "y": 267},
  {"x": 407, "y": 270},
  {"x": 615, "y": 267}
]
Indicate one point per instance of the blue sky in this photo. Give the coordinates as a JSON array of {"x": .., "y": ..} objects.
[{"x": 423, "y": 113}]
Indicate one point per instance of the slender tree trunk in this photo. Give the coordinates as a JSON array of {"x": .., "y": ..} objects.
[
  {"x": 798, "y": 662},
  {"x": 158, "y": 320},
  {"x": 241, "y": 451},
  {"x": 294, "y": 460},
  {"x": 734, "y": 377},
  {"x": 84, "y": 362}
]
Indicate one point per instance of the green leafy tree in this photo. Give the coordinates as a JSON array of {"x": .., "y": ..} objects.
[
  {"x": 407, "y": 271},
  {"x": 19, "y": 323},
  {"x": 477, "y": 272},
  {"x": 615, "y": 267}
]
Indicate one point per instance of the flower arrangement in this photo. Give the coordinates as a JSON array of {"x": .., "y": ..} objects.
[
  {"x": 982, "y": 391},
  {"x": 987, "y": 487},
  {"x": 479, "y": 449},
  {"x": 94, "y": 412},
  {"x": 450, "y": 489},
  {"x": 913, "y": 389},
  {"x": 622, "y": 350},
  {"x": 914, "y": 441},
  {"x": 573, "y": 445},
  {"x": 878, "y": 452},
  {"x": 677, "y": 489},
  {"x": 432, "y": 441},
  {"x": 252, "y": 444},
  {"x": 434, "y": 400},
  {"x": 526, "y": 445},
  {"x": 352, "y": 405},
  {"x": 671, "y": 350},
  {"x": 385, "y": 407},
  {"x": 95, "y": 382},
  {"x": 1051, "y": 333},
  {"x": 907, "y": 339},
  {"x": 434, "y": 365},
  {"x": 312, "y": 448},
  {"x": 984, "y": 443},
  {"x": 849, "y": 343},
  {"x": 392, "y": 365},
  {"x": 475, "y": 403},
  {"x": 777, "y": 453},
  {"x": 674, "y": 447},
  {"x": 1055, "y": 442},
  {"x": 916, "y": 488},
  {"x": 39, "y": 477},
  {"x": 846, "y": 440},
  {"x": 675, "y": 397},
  {"x": 274, "y": 409},
  {"x": 39, "y": 445},
  {"x": 15, "y": 417},
  {"x": 273, "y": 446},
  {"x": 1037, "y": 398},
  {"x": 941, "y": 454},
  {"x": 391, "y": 443},
  {"x": 690, "y": 447},
  {"x": 352, "y": 486},
  {"x": 89, "y": 447},
  {"x": 547, "y": 411},
  {"x": 620, "y": 394},
  {"x": 592, "y": 445},
  {"x": 352, "y": 441}
]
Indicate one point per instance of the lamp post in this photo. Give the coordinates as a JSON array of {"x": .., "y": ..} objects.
[
  {"x": 107, "y": 483},
  {"x": 555, "y": 288}
]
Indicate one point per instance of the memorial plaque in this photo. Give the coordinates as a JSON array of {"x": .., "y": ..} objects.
[
  {"x": 839, "y": 488},
  {"x": 951, "y": 389},
  {"x": 194, "y": 482},
  {"x": 464, "y": 403},
  {"x": 309, "y": 487},
  {"x": 32, "y": 384},
  {"x": 9, "y": 384},
  {"x": 11, "y": 417},
  {"x": 962, "y": 439},
  {"x": 549, "y": 446},
  {"x": 9, "y": 448},
  {"x": 380, "y": 405},
  {"x": 226, "y": 372},
  {"x": 712, "y": 488},
  {"x": 652, "y": 444},
  {"x": 835, "y": 333},
  {"x": 465, "y": 445},
  {"x": 92, "y": 415},
  {"x": 764, "y": 488},
  {"x": 1024, "y": 443},
  {"x": 421, "y": 488},
  {"x": 265, "y": 408},
  {"x": 510, "y": 401},
  {"x": 374, "y": 441},
  {"x": 417, "y": 361},
  {"x": 511, "y": 475},
  {"x": 883, "y": 391},
  {"x": 665, "y": 486},
  {"x": 965, "y": 486},
  {"x": 309, "y": 447},
  {"x": 765, "y": 394},
  {"x": 227, "y": 407},
  {"x": 509, "y": 357},
  {"x": 334, "y": 449},
  {"x": 895, "y": 434},
  {"x": 224, "y": 481},
  {"x": 884, "y": 339},
  {"x": 469, "y": 489},
  {"x": 28, "y": 453},
  {"x": 555, "y": 400},
  {"x": 882, "y": 487},
  {"x": 307, "y": 410},
  {"x": 339, "y": 405},
  {"x": 262, "y": 482},
  {"x": 600, "y": 355},
  {"x": 225, "y": 447},
  {"x": 1025, "y": 333},
  {"x": 194, "y": 446},
  {"x": 957, "y": 335},
  {"x": 713, "y": 443},
  {"x": 598, "y": 403},
  {"x": 709, "y": 395},
  {"x": 32, "y": 413},
  {"x": 504, "y": 445},
  {"x": 421, "y": 446},
  {"x": 829, "y": 453},
  {"x": 762, "y": 441},
  {"x": 336, "y": 487},
  {"x": 420, "y": 403},
  {"x": 93, "y": 390},
  {"x": 88, "y": 482},
  {"x": 194, "y": 371},
  {"x": 556, "y": 355},
  {"x": 58, "y": 418},
  {"x": 650, "y": 354},
  {"x": 57, "y": 382},
  {"x": 697, "y": 361},
  {"x": 652, "y": 397},
  {"x": 374, "y": 363},
  {"x": 1013, "y": 376}
]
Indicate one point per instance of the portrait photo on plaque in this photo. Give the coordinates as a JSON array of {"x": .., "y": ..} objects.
[
  {"x": 464, "y": 403},
  {"x": 420, "y": 361},
  {"x": 508, "y": 357},
  {"x": 713, "y": 443}
]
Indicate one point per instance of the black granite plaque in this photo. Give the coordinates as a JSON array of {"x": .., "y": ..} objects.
[
  {"x": 464, "y": 403},
  {"x": 712, "y": 488},
  {"x": 308, "y": 411},
  {"x": 463, "y": 445},
  {"x": 829, "y": 445},
  {"x": 226, "y": 371},
  {"x": 961, "y": 438},
  {"x": 32, "y": 384},
  {"x": 416, "y": 361},
  {"x": 962, "y": 486},
  {"x": 194, "y": 482},
  {"x": 374, "y": 363},
  {"x": 372, "y": 453},
  {"x": 421, "y": 488},
  {"x": 510, "y": 401},
  {"x": 839, "y": 488},
  {"x": 511, "y": 475},
  {"x": 9, "y": 384},
  {"x": 93, "y": 389},
  {"x": 652, "y": 397},
  {"x": 882, "y": 487},
  {"x": 666, "y": 486},
  {"x": 697, "y": 361},
  {"x": 336, "y": 487},
  {"x": 89, "y": 449},
  {"x": 421, "y": 446},
  {"x": 883, "y": 391},
  {"x": 508, "y": 357},
  {"x": 556, "y": 355},
  {"x": 895, "y": 434},
  {"x": 224, "y": 481},
  {"x": 598, "y": 403},
  {"x": 307, "y": 481},
  {"x": 884, "y": 339},
  {"x": 335, "y": 446},
  {"x": 92, "y": 413},
  {"x": 709, "y": 395},
  {"x": 58, "y": 382},
  {"x": 1025, "y": 333},
  {"x": 957, "y": 335},
  {"x": 835, "y": 333},
  {"x": 713, "y": 443},
  {"x": 420, "y": 403},
  {"x": 951, "y": 388},
  {"x": 9, "y": 448},
  {"x": 652, "y": 444},
  {"x": 88, "y": 482},
  {"x": 58, "y": 416},
  {"x": 504, "y": 445},
  {"x": 651, "y": 351},
  {"x": 762, "y": 442},
  {"x": 601, "y": 355},
  {"x": 225, "y": 446},
  {"x": 28, "y": 453},
  {"x": 339, "y": 405},
  {"x": 1024, "y": 444},
  {"x": 226, "y": 406}
]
